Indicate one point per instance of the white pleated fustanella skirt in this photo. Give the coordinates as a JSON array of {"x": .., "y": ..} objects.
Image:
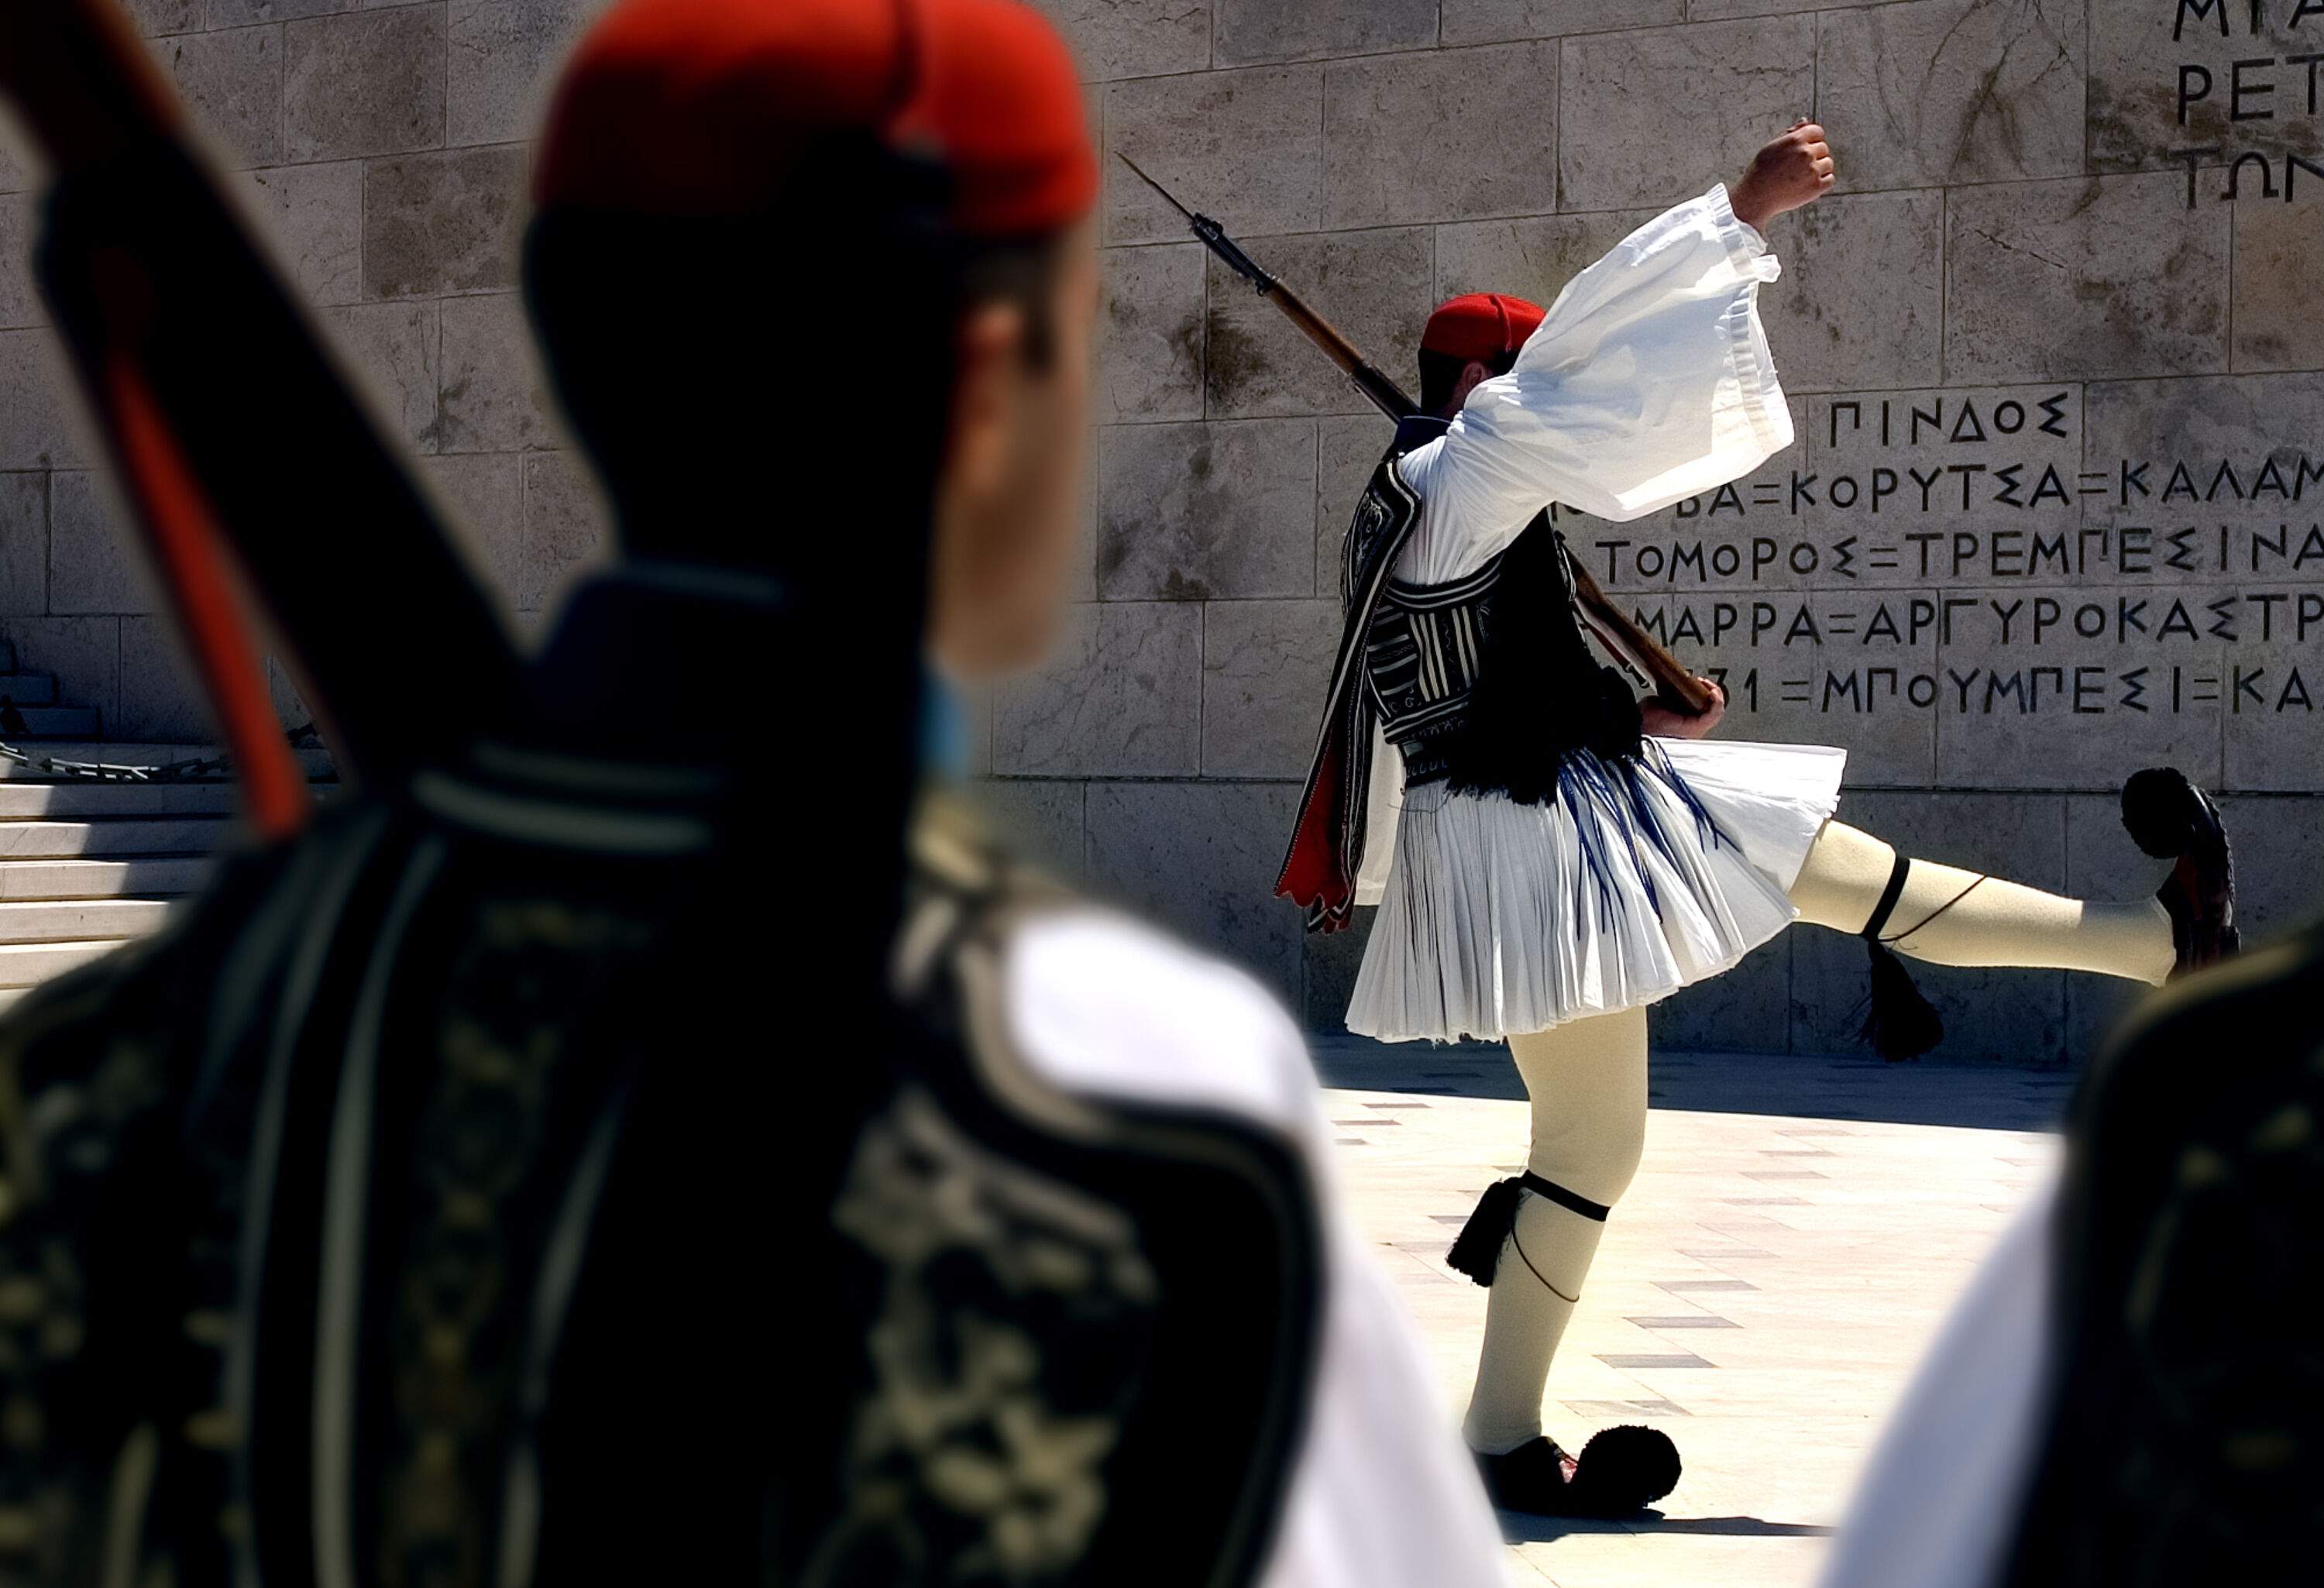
[{"x": 1641, "y": 878}]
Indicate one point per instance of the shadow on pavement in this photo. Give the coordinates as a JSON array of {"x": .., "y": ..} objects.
[
  {"x": 1520, "y": 1527},
  {"x": 1795, "y": 1086},
  {"x": 1524, "y": 1528}
]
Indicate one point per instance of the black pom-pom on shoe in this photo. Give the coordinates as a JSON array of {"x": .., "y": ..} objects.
[
  {"x": 2162, "y": 811},
  {"x": 1625, "y": 1470}
]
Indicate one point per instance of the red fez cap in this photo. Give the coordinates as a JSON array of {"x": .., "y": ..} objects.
[
  {"x": 1484, "y": 325},
  {"x": 706, "y": 107}
]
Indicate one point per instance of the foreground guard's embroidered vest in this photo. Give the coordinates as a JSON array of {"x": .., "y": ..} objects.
[{"x": 463, "y": 1198}]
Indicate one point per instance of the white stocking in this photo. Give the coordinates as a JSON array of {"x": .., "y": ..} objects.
[
  {"x": 1947, "y": 916},
  {"x": 1587, "y": 1081}
]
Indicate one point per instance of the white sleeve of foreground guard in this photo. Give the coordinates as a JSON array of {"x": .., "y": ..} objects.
[
  {"x": 1938, "y": 1503},
  {"x": 1649, "y": 382},
  {"x": 1383, "y": 1494}
]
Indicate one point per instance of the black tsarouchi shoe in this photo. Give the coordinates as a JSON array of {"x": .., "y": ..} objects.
[
  {"x": 1619, "y": 1473},
  {"x": 2172, "y": 819}
]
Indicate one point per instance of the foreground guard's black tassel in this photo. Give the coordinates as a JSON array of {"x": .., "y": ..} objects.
[
  {"x": 1478, "y": 1252},
  {"x": 1900, "y": 1024}
]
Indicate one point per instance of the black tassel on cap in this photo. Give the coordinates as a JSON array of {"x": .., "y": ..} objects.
[
  {"x": 1478, "y": 1252},
  {"x": 1900, "y": 1024}
]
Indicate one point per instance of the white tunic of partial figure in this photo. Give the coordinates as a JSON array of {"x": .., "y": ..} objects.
[
  {"x": 1649, "y": 382},
  {"x": 1383, "y": 1494},
  {"x": 1939, "y": 1503}
]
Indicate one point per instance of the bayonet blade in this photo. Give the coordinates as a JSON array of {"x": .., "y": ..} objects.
[
  {"x": 1191, "y": 217},
  {"x": 1212, "y": 234}
]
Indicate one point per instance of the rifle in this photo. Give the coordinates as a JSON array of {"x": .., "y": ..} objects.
[
  {"x": 1385, "y": 394},
  {"x": 1631, "y": 645}
]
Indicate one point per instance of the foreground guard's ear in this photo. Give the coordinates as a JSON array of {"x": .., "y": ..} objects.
[{"x": 182, "y": 333}]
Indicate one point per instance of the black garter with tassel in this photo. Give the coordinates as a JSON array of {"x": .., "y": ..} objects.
[
  {"x": 1477, "y": 1251},
  {"x": 1901, "y": 1023}
]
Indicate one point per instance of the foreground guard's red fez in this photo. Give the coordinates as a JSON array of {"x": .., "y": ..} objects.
[
  {"x": 704, "y": 107},
  {"x": 1484, "y": 325}
]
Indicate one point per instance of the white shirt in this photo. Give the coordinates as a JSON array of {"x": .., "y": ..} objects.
[
  {"x": 1649, "y": 380},
  {"x": 1384, "y": 1494}
]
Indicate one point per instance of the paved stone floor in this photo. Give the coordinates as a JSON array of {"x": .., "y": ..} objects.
[{"x": 1797, "y": 1232}]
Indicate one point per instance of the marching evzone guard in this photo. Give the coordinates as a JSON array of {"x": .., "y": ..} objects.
[{"x": 1564, "y": 856}]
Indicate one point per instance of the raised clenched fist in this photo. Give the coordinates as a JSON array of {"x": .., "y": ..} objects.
[{"x": 1795, "y": 170}]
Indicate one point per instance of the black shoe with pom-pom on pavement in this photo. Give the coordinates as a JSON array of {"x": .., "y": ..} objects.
[
  {"x": 2172, "y": 819},
  {"x": 1619, "y": 1473}
]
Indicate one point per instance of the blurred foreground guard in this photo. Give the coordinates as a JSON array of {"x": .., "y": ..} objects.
[
  {"x": 2131, "y": 1392},
  {"x": 564, "y": 1161}
]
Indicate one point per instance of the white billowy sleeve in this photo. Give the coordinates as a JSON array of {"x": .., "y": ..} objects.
[{"x": 1649, "y": 382}]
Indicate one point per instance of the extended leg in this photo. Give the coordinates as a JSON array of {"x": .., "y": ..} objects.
[{"x": 1947, "y": 916}]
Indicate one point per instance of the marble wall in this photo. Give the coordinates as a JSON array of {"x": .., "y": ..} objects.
[
  {"x": 2117, "y": 393},
  {"x": 1999, "y": 607},
  {"x": 382, "y": 149}
]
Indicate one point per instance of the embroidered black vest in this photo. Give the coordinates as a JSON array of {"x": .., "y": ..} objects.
[
  {"x": 424, "y": 1201},
  {"x": 1485, "y": 682},
  {"x": 1327, "y": 842}
]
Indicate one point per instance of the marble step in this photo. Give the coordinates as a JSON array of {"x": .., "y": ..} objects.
[
  {"x": 119, "y": 837},
  {"x": 155, "y": 877},
  {"x": 29, "y": 688},
  {"x": 28, "y": 965},
  {"x": 80, "y": 920},
  {"x": 26, "y": 800},
  {"x": 58, "y": 722}
]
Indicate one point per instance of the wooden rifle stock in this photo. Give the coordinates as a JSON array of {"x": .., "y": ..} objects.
[
  {"x": 1385, "y": 394},
  {"x": 1674, "y": 684}
]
